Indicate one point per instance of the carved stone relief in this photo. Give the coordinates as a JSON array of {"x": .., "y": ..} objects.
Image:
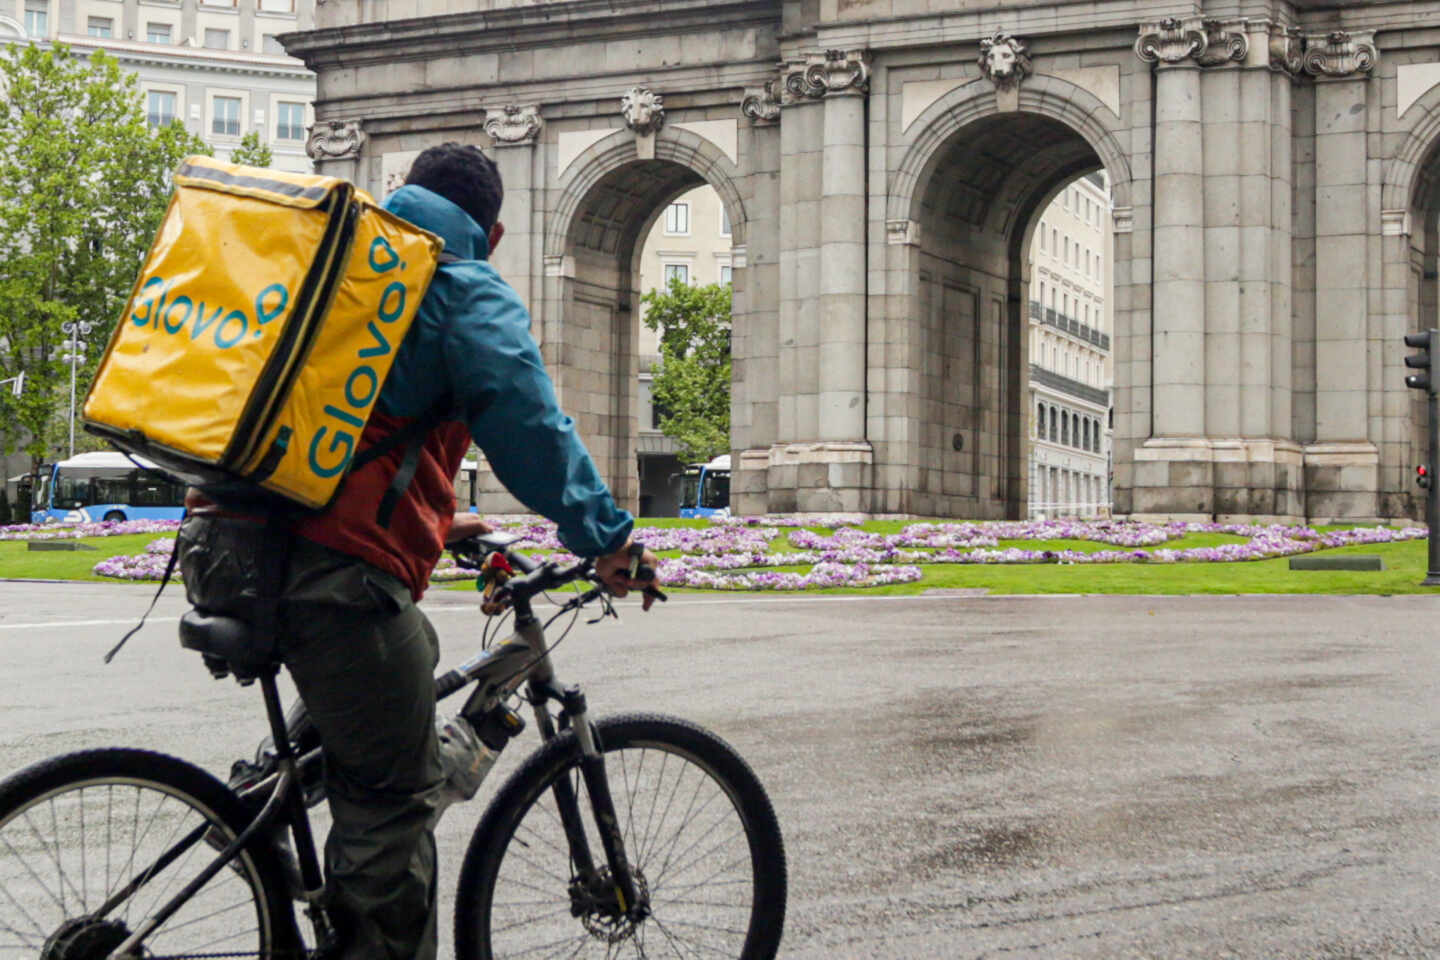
[
  {"x": 1225, "y": 42},
  {"x": 513, "y": 125},
  {"x": 1171, "y": 40},
  {"x": 1340, "y": 54},
  {"x": 763, "y": 106},
  {"x": 335, "y": 140},
  {"x": 834, "y": 72}
]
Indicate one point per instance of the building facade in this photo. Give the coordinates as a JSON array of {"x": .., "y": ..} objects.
[
  {"x": 217, "y": 66},
  {"x": 1272, "y": 168},
  {"x": 1070, "y": 340}
]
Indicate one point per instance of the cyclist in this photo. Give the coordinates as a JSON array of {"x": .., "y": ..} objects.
[{"x": 361, "y": 653}]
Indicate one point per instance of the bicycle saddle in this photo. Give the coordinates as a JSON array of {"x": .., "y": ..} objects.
[{"x": 228, "y": 645}]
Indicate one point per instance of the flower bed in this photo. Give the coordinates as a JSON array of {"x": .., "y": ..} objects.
[
  {"x": 74, "y": 531},
  {"x": 734, "y": 554}
]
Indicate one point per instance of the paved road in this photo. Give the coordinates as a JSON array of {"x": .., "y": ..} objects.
[{"x": 956, "y": 777}]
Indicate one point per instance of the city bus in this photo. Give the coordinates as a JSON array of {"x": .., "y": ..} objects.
[
  {"x": 91, "y": 487},
  {"x": 705, "y": 488}
]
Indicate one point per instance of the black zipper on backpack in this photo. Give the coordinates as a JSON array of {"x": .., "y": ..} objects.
[{"x": 287, "y": 359}]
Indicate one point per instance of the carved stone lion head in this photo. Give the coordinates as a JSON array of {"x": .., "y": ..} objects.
[
  {"x": 1004, "y": 59},
  {"x": 644, "y": 110}
]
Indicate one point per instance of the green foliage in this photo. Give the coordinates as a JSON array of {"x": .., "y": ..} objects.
[
  {"x": 692, "y": 381},
  {"x": 251, "y": 152},
  {"x": 83, "y": 185}
]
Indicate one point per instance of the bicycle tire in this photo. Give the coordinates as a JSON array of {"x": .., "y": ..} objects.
[
  {"x": 50, "y": 813},
  {"x": 478, "y": 917}
]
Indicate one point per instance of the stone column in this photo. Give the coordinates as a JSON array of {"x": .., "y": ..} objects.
[
  {"x": 335, "y": 147},
  {"x": 758, "y": 294},
  {"x": 842, "y": 251},
  {"x": 1179, "y": 287},
  {"x": 1342, "y": 466},
  {"x": 822, "y": 462},
  {"x": 514, "y": 132}
]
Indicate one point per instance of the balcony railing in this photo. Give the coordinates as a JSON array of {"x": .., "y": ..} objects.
[{"x": 1054, "y": 318}]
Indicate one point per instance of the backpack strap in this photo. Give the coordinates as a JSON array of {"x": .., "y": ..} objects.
[{"x": 412, "y": 436}]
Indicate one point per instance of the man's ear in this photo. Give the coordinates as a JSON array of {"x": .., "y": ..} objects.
[{"x": 496, "y": 232}]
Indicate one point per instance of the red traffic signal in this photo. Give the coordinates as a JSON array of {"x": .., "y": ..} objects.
[{"x": 1422, "y": 476}]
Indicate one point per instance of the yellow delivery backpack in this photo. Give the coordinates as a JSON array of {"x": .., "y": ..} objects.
[{"x": 264, "y": 321}]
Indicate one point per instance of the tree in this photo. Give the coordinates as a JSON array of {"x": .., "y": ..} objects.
[
  {"x": 691, "y": 385},
  {"x": 83, "y": 184},
  {"x": 251, "y": 151}
]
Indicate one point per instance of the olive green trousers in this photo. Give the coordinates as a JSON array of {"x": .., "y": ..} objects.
[{"x": 363, "y": 658}]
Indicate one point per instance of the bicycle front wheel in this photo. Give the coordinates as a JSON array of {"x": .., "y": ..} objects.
[
  {"x": 699, "y": 832},
  {"x": 92, "y": 844}
]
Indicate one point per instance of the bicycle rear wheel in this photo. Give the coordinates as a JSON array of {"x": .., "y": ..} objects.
[
  {"x": 699, "y": 831},
  {"x": 93, "y": 843}
]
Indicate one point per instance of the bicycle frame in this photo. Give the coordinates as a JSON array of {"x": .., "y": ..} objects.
[{"x": 498, "y": 673}]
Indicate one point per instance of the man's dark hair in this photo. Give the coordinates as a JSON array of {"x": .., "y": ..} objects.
[{"x": 464, "y": 176}]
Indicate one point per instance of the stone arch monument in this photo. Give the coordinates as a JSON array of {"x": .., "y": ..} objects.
[{"x": 1275, "y": 175}]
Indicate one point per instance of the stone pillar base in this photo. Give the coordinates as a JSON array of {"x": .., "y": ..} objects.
[
  {"x": 1342, "y": 483},
  {"x": 1198, "y": 479},
  {"x": 832, "y": 476},
  {"x": 749, "y": 483}
]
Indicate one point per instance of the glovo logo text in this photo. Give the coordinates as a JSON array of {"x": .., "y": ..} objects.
[
  {"x": 158, "y": 306},
  {"x": 343, "y": 425}
]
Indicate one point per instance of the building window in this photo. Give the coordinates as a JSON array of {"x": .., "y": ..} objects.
[
  {"x": 1043, "y": 245},
  {"x": 1040, "y": 423},
  {"x": 1054, "y": 432},
  {"x": 1087, "y": 434},
  {"x": 159, "y": 108},
  {"x": 225, "y": 119},
  {"x": 269, "y": 43},
  {"x": 289, "y": 121},
  {"x": 100, "y": 26},
  {"x": 724, "y": 221},
  {"x": 157, "y": 32},
  {"x": 727, "y": 274},
  {"x": 677, "y": 218},
  {"x": 37, "y": 18},
  {"x": 217, "y": 39},
  {"x": 277, "y": 6},
  {"x": 676, "y": 271}
]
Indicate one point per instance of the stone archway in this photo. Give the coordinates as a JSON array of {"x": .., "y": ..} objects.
[
  {"x": 962, "y": 210},
  {"x": 609, "y": 199}
]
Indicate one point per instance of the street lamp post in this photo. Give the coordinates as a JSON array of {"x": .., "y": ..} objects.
[{"x": 74, "y": 329}]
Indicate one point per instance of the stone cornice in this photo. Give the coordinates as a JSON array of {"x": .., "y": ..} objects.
[
  {"x": 199, "y": 59},
  {"x": 524, "y": 27}
]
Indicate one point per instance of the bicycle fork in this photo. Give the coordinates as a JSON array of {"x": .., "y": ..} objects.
[{"x": 592, "y": 887}]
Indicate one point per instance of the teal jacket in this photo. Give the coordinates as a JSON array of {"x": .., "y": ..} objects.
[{"x": 471, "y": 341}]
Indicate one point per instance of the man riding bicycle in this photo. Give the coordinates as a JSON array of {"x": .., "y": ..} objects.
[{"x": 361, "y": 653}]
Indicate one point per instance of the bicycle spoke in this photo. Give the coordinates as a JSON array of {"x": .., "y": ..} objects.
[{"x": 45, "y": 881}]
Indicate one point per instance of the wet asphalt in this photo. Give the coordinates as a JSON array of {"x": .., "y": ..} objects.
[{"x": 956, "y": 777}]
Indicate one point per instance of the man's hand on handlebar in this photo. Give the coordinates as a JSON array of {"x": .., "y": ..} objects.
[
  {"x": 465, "y": 526},
  {"x": 632, "y": 567}
]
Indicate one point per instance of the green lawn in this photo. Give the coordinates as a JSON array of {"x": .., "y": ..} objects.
[
  {"x": 17, "y": 561},
  {"x": 1405, "y": 563}
]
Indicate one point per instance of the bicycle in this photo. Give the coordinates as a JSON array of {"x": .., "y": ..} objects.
[{"x": 689, "y": 861}]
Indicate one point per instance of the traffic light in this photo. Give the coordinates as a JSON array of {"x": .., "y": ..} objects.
[
  {"x": 1422, "y": 476},
  {"x": 1419, "y": 361}
]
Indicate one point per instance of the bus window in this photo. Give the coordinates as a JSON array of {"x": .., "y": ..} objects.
[
  {"x": 715, "y": 492},
  {"x": 690, "y": 487}
]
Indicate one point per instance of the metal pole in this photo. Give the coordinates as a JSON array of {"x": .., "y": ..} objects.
[
  {"x": 74, "y": 339},
  {"x": 1432, "y": 495}
]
